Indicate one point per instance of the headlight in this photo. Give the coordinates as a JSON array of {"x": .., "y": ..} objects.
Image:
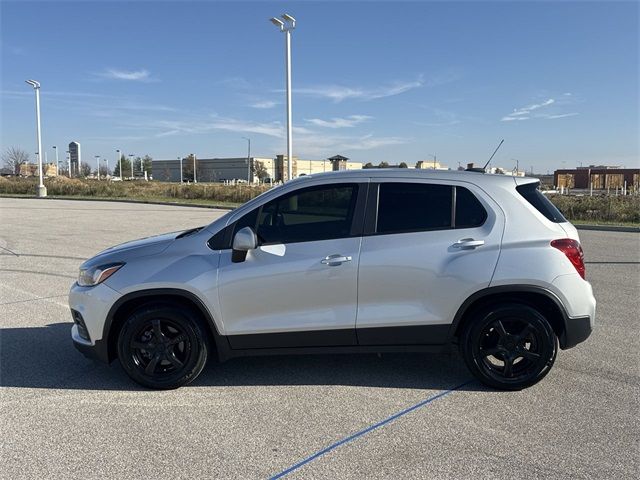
[{"x": 89, "y": 277}]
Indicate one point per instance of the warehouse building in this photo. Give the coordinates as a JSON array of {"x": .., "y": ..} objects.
[
  {"x": 600, "y": 177},
  {"x": 253, "y": 169}
]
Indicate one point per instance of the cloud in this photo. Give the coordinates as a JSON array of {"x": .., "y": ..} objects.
[
  {"x": 561, "y": 115},
  {"x": 530, "y": 111},
  {"x": 271, "y": 129},
  {"x": 314, "y": 144},
  {"x": 265, "y": 104},
  {"x": 133, "y": 75},
  {"x": 339, "y": 93},
  {"x": 348, "y": 122}
]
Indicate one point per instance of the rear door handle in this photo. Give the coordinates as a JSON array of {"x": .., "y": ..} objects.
[
  {"x": 468, "y": 244},
  {"x": 335, "y": 260}
]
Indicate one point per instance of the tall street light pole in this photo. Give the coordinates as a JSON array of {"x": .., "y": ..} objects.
[
  {"x": 131, "y": 155},
  {"x": 42, "y": 190},
  {"x": 97, "y": 157},
  {"x": 57, "y": 161},
  {"x": 194, "y": 168},
  {"x": 69, "y": 162},
  {"x": 180, "y": 158},
  {"x": 106, "y": 177},
  {"x": 287, "y": 26},
  {"x": 248, "y": 159},
  {"x": 119, "y": 163}
]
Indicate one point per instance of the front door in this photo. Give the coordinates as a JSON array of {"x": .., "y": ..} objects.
[{"x": 299, "y": 287}]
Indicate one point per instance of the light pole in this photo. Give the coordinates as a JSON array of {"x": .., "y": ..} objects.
[
  {"x": 180, "y": 158},
  {"x": 194, "y": 168},
  {"x": 131, "y": 155},
  {"x": 57, "y": 161},
  {"x": 119, "y": 163},
  {"x": 69, "y": 162},
  {"x": 97, "y": 157},
  {"x": 517, "y": 165},
  {"x": 248, "y": 159},
  {"x": 434, "y": 160},
  {"x": 42, "y": 190},
  {"x": 287, "y": 26}
]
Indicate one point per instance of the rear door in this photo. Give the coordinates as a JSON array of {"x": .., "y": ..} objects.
[{"x": 426, "y": 247}]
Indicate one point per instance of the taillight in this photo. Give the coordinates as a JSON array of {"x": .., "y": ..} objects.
[{"x": 572, "y": 249}]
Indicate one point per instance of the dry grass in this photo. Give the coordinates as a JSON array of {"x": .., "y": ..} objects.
[{"x": 597, "y": 209}]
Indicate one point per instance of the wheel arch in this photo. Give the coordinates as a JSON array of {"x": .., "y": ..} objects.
[
  {"x": 540, "y": 298},
  {"x": 128, "y": 303}
]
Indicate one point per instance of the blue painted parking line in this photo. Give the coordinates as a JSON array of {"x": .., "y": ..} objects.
[{"x": 371, "y": 428}]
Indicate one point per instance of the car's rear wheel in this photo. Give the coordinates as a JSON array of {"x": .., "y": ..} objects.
[
  {"x": 509, "y": 347},
  {"x": 162, "y": 346}
]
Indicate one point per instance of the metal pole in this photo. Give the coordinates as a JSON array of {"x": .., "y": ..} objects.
[
  {"x": 289, "y": 126},
  {"x": 57, "y": 161},
  {"x": 180, "y": 158},
  {"x": 194, "y": 168},
  {"x": 119, "y": 164},
  {"x": 107, "y": 174},
  {"x": 98, "y": 162}
]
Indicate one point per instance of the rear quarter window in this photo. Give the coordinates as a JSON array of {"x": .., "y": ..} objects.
[{"x": 537, "y": 199}]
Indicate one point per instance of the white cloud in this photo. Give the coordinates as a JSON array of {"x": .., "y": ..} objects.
[
  {"x": 339, "y": 93},
  {"x": 133, "y": 75},
  {"x": 265, "y": 104},
  {"x": 561, "y": 115},
  {"x": 336, "y": 122},
  {"x": 530, "y": 111}
]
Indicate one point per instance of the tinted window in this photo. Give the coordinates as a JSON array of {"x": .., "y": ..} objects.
[
  {"x": 316, "y": 213},
  {"x": 412, "y": 207},
  {"x": 541, "y": 203},
  {"x": 469, "y": 211}
]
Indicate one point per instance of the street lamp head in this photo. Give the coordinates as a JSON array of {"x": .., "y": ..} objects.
[
  {"x": 277, "y": 22},
  {"x": 289, "y": 19},
  {"x": 33, "y": 83},
  {"x": 55, "y": 147}
]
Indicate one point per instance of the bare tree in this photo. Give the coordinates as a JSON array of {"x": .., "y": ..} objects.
[
  {"x": 13, "y": 157},
  {"x": 260, "y": 171},
  {"x": 85, "y": 169}
]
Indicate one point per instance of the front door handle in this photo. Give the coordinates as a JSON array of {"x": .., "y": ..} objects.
[
  {"x": 468, "y": 244},
  {"x": 335, "y": 260}
]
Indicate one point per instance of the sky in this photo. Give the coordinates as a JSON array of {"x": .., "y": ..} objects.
[{"x": 373, "y": 81}]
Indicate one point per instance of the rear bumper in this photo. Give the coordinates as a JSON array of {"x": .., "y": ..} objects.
[{"x": 576, "y": 330}]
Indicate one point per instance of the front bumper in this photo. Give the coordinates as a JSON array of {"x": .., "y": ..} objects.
[
  {"x": 94, "y": 351},
  {"x": 90, "y": 307}
]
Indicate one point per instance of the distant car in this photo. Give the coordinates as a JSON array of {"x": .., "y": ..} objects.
[
  {"x": 354, "y": 261},
  {"x": 115, "y": 179}
]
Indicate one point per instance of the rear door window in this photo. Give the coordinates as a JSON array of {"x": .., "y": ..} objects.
[
  {"x": 469, "y": 211},
  {"x": 413, "y": 207}
]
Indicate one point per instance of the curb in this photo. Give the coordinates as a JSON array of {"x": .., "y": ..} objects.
[
  {"x": 124, "y": 200},
  {"x": 609, "y": 228}
]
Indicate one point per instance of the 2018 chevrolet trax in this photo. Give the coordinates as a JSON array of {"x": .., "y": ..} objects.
[{"x": 355, "y": 261}]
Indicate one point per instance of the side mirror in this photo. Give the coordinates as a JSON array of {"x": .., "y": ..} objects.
[{"x": 244, "y": 240}]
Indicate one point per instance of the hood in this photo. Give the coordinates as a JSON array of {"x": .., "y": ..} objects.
[{"x": 136, "y": 248}]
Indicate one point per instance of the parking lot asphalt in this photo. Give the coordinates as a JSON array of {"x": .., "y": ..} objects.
[{"x": 338, "y": 416}]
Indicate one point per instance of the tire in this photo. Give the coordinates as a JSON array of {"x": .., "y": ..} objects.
[
  {"x": 162, "y": 346},
  {"x": 509, "y": 347}
]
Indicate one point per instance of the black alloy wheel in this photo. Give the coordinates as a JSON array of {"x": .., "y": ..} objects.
[
  {"x": 162, "y": 346},
  {"x": 509, "y": 347}
]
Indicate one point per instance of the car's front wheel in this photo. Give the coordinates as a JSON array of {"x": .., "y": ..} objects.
[
  {"x": 162, "y": 346},
  {"x": 509, "y": 347}
]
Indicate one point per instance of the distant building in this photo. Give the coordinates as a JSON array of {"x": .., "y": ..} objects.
[
  {"x": 75, "y": 158},
  {"x": 601, "y": 177},
  {"x": 31, "y": 169},
  {"x": 258, "y": 169},
  {"x": 430, "y": 164}
]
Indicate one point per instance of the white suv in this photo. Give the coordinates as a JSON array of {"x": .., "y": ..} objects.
[{"x": 359, "y": 261}]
